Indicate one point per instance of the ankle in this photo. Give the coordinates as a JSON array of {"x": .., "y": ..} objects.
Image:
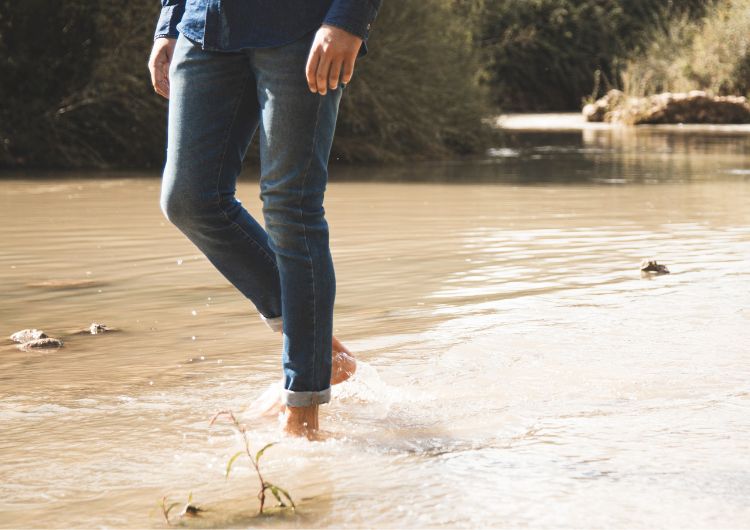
[{"x": 301, "y": 421}]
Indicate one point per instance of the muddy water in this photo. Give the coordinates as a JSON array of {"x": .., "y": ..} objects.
[{"x": 515, "y": 368}]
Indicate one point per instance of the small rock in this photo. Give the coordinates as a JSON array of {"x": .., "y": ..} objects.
[
  {"x": 26, "y": 335},
  {"x": 95, "y": 328},
  {"x": 47, "y": 342},
  {"x": 191, "y": 510},
  {"x": 653, "y": 266}
]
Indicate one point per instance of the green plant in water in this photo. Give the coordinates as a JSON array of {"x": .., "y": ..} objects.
[
  {"x": 189, "y": 509},
  {"x": 275, "y": 490}
]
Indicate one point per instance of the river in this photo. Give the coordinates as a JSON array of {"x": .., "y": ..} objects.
[{"x": 516, "y": 369}]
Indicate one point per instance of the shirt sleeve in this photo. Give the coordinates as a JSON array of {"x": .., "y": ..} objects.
[
  {"x": 171, "y": 14},
  {"x": 354, "y": 16}
]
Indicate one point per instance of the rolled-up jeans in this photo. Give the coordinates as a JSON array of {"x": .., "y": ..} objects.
[{"x": 217, "y": 102}]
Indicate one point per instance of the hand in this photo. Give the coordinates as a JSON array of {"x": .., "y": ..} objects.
[
  {"x": 332, "y": 56},
  {"x": 158, "y": 64}
]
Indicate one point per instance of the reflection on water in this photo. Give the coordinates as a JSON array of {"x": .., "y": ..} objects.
[{"x": 516, "y": 370}]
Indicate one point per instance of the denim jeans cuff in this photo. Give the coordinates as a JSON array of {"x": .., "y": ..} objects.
[
  {"x": 276, "y": 323},
  {"x": 305, "y": 399}
]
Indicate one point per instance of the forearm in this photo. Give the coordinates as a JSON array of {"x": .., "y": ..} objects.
[{"x": 171, "y": 14}]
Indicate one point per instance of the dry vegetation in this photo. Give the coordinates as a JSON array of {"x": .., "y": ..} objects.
[{"x": 711, "y": 54}]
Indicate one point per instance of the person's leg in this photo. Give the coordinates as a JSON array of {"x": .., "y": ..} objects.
[
  {"x": 213, "y": 114},
  {"x": 296, "y": 132}
]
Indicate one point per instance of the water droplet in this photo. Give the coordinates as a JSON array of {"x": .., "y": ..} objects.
[
  {"x": 179, "y": 261},
  {"x": 151, "y": 383},
  {"x": 203, "y": 358},
  {"x": 218, "y": 362},
  {"x": 88, "y": 273},
  {"x": 194, "y": 312},
  {"x": 193, "y": 337}
]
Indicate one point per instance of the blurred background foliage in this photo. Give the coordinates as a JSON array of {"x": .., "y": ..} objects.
[
  {"x": 712, "y": 54},
  {"x": 74, "y": 89}
]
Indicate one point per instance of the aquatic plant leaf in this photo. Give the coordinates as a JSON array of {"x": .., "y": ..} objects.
[
  {"x": 286, "y": 494},
  {"x": 231, "y": 461},
  {"x": 260, "y": 453},
  {"x": 190, "y": 497},
  {"x": 170, "y": 507},
  {"x": 275, "y": 492}
]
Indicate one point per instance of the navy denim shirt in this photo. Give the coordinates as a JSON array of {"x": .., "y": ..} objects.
[{"x": 230, "y": 25}]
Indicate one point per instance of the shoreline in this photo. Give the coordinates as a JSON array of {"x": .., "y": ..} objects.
[{"x": 575, "y": 121}]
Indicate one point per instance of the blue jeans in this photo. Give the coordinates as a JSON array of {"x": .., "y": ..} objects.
[{"x": 217, "y": 102}]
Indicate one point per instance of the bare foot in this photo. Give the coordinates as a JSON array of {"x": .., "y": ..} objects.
[
  {"x": 344, "y": 363},
  {"x": 301, "y": 422},
  {"x": 270, "y": 403}
]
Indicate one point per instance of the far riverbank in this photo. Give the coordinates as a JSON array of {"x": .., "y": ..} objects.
[{"x": 576, "y": 121}]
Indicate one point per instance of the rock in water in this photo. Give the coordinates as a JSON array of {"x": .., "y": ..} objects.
[
  {"x": 191, "y": 511},
  {"x": 95, "y": 328},
  {"x": 599, "y": 110},
  {"x": 654, "y": 267},
  {"x": 26, "y": 335},
  {"x": 47, "y": 342}
]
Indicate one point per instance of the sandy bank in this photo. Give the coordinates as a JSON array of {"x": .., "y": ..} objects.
[{"x": 574, "y": 121}]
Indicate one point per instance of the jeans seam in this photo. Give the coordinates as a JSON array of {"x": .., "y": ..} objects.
[{"x": 304, "y": 234}]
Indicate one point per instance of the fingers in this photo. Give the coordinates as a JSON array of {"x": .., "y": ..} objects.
[
  {"x": 321, "y": 77},
  {"x": 160, "y": 78},
  {"x": 311, "y": 69},
  {"x": 333, "y": 53},
  {"x": 152, "y": 71},
  {"x": 158, "y": 65},
  {"x": 329, "y": 72},
  {"x": 334, "y": 74},
  {"x": 348, "y": 70}
]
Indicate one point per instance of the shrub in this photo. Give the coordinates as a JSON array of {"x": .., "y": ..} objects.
[
  {"x": 417, "y": 94},
  {"x": 544, "y": 54},
  {"x": 713, "y": 55},
  {"x": 73, "y": 86}
]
